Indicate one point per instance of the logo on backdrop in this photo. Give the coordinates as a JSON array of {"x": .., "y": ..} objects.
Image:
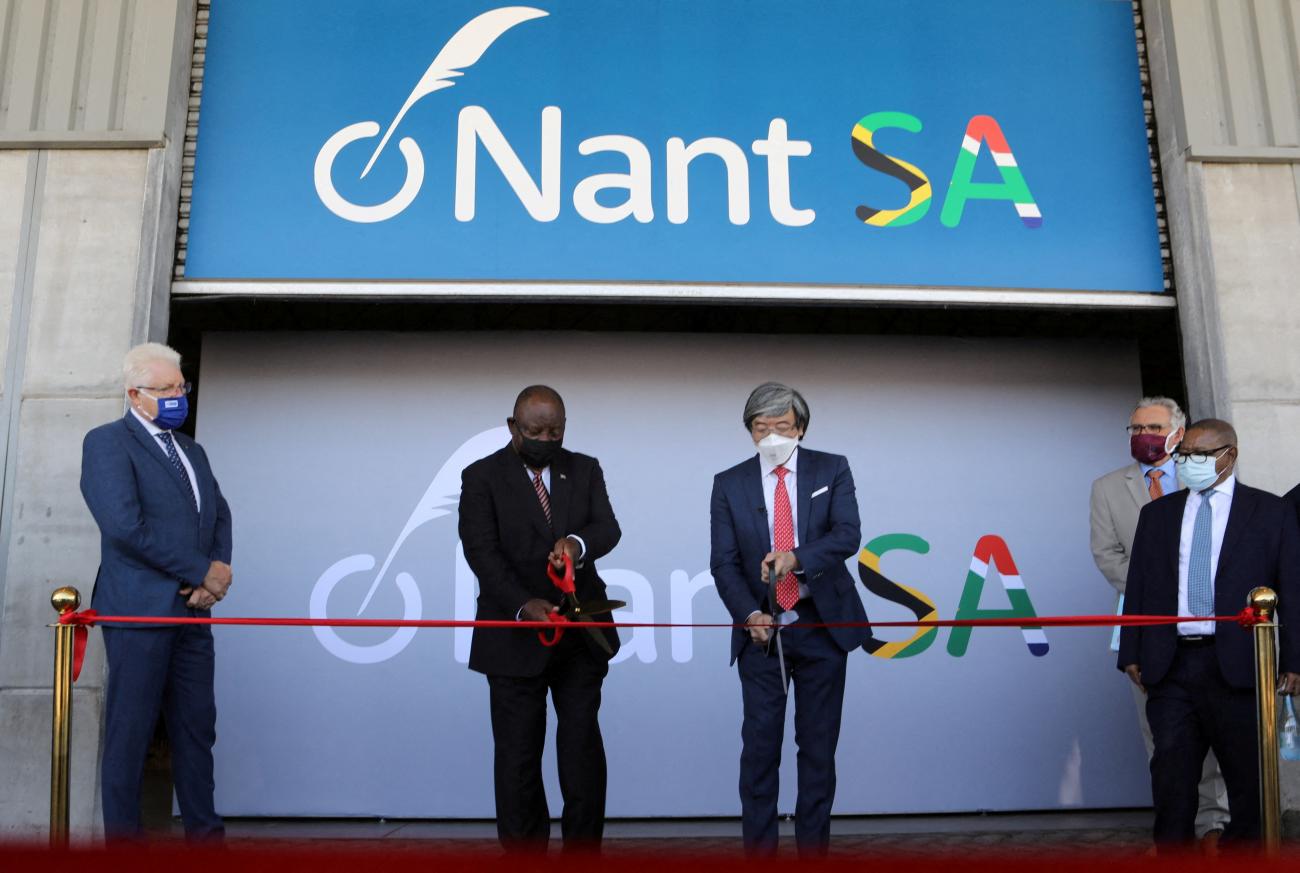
[
  {"x": 542, "y": 199},
  {"x": 461, "y": 51},
  {"x": 443, "y": 494}
]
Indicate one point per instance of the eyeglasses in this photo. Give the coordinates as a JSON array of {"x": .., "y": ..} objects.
[
  {"x": 1136, "y": 429},
  {"x": 783, "y": 428},
  {"x": 1181, "y": 457},
  {"x": 172, "y": 390}
]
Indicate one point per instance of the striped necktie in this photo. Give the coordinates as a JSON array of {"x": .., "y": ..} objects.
[
  {"x": 175, "y": 458},
  {"x": 542, "y": 496}
]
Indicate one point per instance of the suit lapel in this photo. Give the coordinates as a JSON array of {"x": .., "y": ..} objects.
[
  {"x": 561, "y": 493},
  {"x": 1174, "y": 528},
  {"x": 804, "y": 478},
  {"x": 1239, "y": 513},
  {"x": 154, "y": 449},
  {"x": 521, "y": 482},
  {"x": 752, "y": 502},
  {"x": 1137, "y": 486}
]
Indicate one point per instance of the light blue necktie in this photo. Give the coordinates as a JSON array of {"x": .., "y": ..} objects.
[{"x": 1200, "y": 593}]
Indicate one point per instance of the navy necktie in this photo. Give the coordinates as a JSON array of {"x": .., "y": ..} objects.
[{"x": 175, "y": 458}]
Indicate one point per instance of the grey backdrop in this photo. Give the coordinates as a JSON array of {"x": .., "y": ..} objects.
[{"x": 330, "y": 447}]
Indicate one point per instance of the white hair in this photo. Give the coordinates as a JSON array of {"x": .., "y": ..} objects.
[
  {"x": 136, "y": 364},
  {"x": 1176, "y": 416}
]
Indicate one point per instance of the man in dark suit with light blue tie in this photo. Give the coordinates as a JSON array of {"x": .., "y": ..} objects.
[
  {"x": 165, "y": 551},
  {"x": 1199, "y": 552},
  {"x": 795, "y": 509}
]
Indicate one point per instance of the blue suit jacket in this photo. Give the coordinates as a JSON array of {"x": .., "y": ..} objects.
[
  {"x": 829, "y": 534},
  {"x": 152, "y": 541},
  {"x": 1261, "y": 546}
]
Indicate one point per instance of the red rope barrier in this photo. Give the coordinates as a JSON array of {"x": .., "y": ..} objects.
[{"x": 88, "y": 618}]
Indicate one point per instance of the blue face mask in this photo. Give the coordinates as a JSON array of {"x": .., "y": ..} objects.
[
  {"x": 1197, "y": 475},
  {"x": 172, "y": 411}
]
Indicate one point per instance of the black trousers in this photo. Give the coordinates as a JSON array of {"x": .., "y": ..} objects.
[
  {"x": 573, "y": 676},
  {"x": 1192, "y": 710},
  {"x": 816, "y": 667},
  {"x": 152, "y": 670}
]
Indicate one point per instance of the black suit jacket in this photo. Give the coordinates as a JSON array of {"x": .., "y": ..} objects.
[
  {"x": 1294, "y": 496},
  {"x": 1261, "y": 546},
  {"x": 506, "y": 539}
]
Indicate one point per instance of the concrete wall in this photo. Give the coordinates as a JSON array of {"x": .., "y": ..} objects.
[
  {"x": 1224, "y": 77},
  {"x": 89, "y": 174},
  {"x": 85, "y": 71}
]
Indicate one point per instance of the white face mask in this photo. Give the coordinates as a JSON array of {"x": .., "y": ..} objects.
[{"x": 776, "y": 449}]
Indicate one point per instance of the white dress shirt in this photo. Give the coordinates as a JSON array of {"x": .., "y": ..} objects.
[
  {"x": 155, "y": 430},
  {"x": 1220, "y": 498}
]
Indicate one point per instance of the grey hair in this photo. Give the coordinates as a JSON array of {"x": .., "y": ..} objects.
[
  {"x": 773, "y": 398},
  {"x": 135, "y": 366},
  {"x": 1177, "y": 418}
]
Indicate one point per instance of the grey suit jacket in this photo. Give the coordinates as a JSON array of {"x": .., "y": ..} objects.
[{"x": 1117, "y": 498}]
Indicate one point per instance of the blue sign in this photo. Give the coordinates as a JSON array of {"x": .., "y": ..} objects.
[{"x": 840, "y": 142}]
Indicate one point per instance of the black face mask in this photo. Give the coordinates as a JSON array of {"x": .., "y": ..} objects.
[{"x": 538, "y": 454}]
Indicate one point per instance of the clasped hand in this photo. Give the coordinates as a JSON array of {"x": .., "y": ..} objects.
[{"x": 213, "y": 588}]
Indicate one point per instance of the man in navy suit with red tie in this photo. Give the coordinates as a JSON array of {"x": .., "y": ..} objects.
[
  {"x": 793, "y": 508},
  {"x": 1199, "y": 552}
]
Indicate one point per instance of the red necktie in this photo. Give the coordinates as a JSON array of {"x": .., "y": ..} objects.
[
  {"x": 787, "y": 589},
  {"x": 1154, "y": 488}
]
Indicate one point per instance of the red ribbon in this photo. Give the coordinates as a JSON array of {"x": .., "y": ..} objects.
[
  {"x": 1247, "y": 618},
  {"x": 82, "y": 621}
]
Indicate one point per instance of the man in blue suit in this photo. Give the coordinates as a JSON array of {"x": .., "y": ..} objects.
[
  {"x": 794, "y": 508},
  {"x": 164, "y": 551},
  {"x": 1199, "y": 552}
]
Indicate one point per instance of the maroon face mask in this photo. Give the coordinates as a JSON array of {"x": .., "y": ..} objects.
[{"x": 1147, "y": 448}]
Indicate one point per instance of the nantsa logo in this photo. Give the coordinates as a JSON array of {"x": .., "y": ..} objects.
[{"x": 541, "y": 199}]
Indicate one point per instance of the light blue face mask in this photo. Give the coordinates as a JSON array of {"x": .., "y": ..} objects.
[{"x": 1198, "y": 475}]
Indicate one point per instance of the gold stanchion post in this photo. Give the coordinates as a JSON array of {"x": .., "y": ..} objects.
[
  {"x": 1264, "y": 601},
  {"x": 64, "y": 600}
]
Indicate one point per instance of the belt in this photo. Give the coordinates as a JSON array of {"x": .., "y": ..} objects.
[{"x": 1196, "y": 641}]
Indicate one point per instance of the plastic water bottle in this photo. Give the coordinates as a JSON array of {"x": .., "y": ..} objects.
[{"x": 1289, "y": 742}]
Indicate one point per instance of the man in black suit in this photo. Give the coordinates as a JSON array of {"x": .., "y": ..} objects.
[
  {"x": 1294, "y": 496},
  {"x": 1199, "y": 552},
  {"x": 523, "y": 508}
]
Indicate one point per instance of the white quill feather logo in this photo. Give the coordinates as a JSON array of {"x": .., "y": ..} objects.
[
  {"x": 439, "y": 498},
  {"x": 463, "y": 50}
]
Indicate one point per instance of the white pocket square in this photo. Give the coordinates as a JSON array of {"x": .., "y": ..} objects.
[{"x": 821, "y": 490}]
